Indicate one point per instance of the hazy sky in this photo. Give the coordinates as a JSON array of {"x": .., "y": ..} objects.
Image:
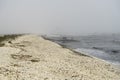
[{"x": 60, "y": 16}]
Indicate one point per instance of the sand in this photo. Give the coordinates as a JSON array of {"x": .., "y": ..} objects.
[{"x": 30, "y": 57}]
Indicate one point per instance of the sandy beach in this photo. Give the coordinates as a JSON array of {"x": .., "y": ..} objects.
[{"x": 30, "y": 57}]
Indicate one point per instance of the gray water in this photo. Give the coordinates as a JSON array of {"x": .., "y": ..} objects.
[{"x": 106, "y": 47}]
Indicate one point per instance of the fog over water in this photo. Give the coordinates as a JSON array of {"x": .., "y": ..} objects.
[{"x": 72, "y": 17}]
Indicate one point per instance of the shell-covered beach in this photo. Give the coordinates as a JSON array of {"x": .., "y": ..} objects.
[{"x": 30, "y": 57}]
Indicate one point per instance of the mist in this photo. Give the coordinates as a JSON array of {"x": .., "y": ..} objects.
[{"x": 72, "y": 17}]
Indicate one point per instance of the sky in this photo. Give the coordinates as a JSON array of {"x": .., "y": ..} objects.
[{"x": 71, "y": 17}]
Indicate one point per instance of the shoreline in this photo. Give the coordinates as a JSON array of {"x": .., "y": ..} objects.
[
  {"x": 83, "y": 53},
  {"x": 116, "y": 64}
]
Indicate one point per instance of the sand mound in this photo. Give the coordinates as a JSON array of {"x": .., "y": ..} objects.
[{"x": 30, "y": 57}]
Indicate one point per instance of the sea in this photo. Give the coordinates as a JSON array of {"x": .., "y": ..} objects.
[{"x": 102, "y": 46}]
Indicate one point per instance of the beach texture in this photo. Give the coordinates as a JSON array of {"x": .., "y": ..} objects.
[{"x": 30, "y": 57}]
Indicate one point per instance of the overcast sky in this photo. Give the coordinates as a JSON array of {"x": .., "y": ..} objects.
[{"x": 60, "y": 16}]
